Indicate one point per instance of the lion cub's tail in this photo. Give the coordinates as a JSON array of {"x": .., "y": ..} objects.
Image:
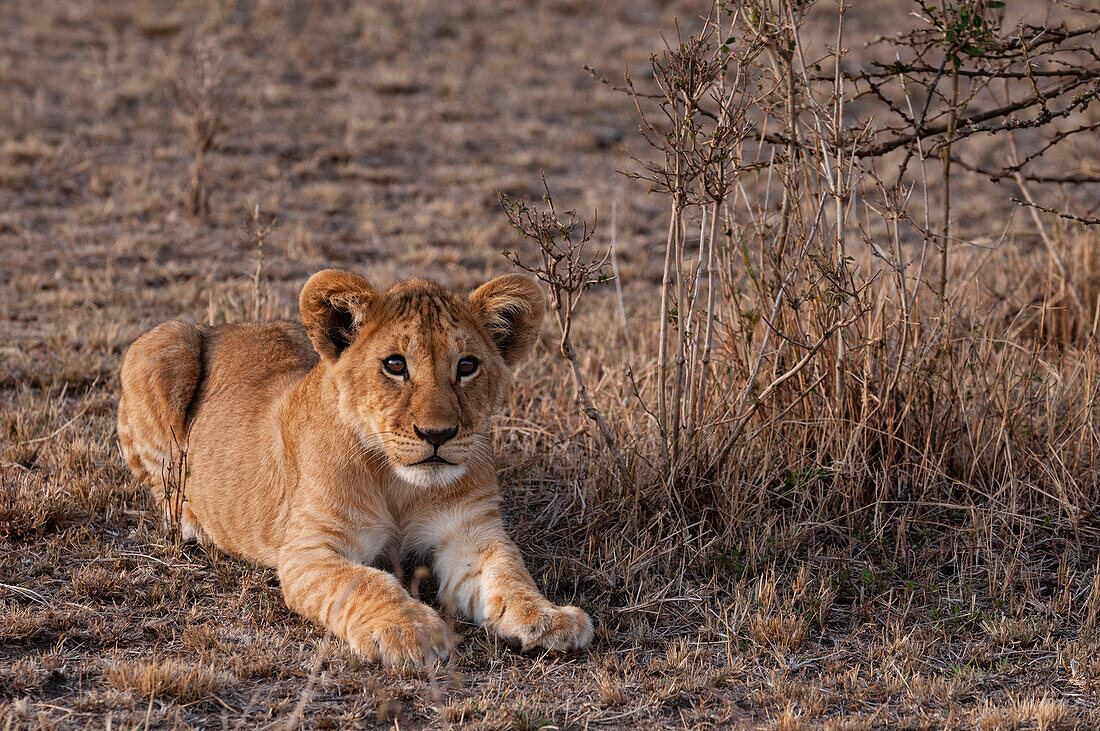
[{"x": 160, "y": 375}]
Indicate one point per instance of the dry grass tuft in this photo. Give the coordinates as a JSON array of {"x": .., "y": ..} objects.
[
  {"x": 789, "y": 720},
  {"x": 96, "y": 580},
  {"x": 781, "y": 633},
  {"x": 1028, "y": 711},
  {"x": 1013, "y": 632},
  {"x": 165, "y": 678},
  {"x": 31, "y": 504},
  {"x": 609, "y": 687}
]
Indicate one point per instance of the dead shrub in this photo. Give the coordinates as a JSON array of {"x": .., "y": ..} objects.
[{"x": 199, "y": 89}]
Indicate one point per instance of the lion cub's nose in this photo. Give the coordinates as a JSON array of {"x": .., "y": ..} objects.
[{"x": 436, "y": 437}]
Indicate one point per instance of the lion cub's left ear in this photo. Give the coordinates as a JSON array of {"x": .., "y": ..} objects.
[
  {"x": 510, "y": 308},
  {"x": 334, "y": 305}
]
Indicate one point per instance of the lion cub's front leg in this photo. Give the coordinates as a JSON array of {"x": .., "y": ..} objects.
[
  {"x": 364, "y": 605},
  {"x": 482, "y": 575}
]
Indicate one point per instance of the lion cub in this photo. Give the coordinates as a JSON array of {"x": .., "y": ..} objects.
[{"x": 312, "y": 449}]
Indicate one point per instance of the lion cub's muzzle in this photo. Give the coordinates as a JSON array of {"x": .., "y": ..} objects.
[
  {"x": 436, "y": 438},
  {"x": 440, "y": 463}
]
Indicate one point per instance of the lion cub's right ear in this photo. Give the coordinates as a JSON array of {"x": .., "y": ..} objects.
[
  {"x": 510, "y": 309},
  {"x": 334, "y": 304}
]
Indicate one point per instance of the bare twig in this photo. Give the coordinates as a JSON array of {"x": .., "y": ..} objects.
[
  {"x": 1087, "y": 220},
  {"x": 567, "y": 274}
]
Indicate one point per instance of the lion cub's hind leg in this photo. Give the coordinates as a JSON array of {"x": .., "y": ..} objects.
[{"x": 160, "y": 374}]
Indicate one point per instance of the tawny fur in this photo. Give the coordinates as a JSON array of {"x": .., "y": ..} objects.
[{"x": 302, "y": 454}]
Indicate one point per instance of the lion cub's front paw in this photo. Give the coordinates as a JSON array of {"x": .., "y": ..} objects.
[
  {"x": 543, "y": 625},
  {"x": 410, "y": 635}
]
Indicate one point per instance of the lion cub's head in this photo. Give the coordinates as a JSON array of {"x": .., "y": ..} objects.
[{"x": 418, "y": 369}]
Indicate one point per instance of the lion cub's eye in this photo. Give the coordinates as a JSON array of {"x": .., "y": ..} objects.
[
  {"x": 467, "y": 366},
  {"x": 395, "y": 365}
]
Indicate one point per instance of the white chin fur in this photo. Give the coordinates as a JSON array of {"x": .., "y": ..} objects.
[{"x": 424, "y": 476}]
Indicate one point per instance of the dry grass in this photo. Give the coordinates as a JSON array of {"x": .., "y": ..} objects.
[
  {"x": 164, "y": 678},
  {"x": 912, "y": 546}
]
